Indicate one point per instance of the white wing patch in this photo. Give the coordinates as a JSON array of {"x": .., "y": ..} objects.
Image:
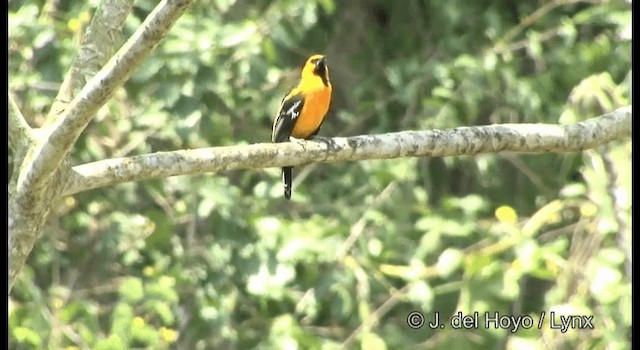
[{"x": 293, "y": 112}]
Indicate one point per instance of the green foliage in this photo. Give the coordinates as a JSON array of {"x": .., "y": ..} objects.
[{"x": 222, "y": 261}]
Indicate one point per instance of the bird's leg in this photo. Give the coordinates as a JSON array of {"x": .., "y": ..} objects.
[{"x": 297, "y": 140}]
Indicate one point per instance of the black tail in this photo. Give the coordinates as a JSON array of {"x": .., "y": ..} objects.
[{"x": 286, "y": 179}]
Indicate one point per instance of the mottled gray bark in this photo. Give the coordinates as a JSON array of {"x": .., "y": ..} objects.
[
  {"x": 523, "y": 138},
  {"x": 98, "y": 43}
]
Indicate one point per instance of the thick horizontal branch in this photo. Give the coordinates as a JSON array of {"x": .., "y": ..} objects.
[
  {"x": 528, "y": 138},
  {"x": 64, "y": 131}
]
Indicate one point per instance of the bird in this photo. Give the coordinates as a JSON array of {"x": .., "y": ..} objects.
[{"x": 303, "y": 109}]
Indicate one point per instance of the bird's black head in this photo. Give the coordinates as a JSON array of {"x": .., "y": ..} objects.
[{"x": 320, "y": 67}]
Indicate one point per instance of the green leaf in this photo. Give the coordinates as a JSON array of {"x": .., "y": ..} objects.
[
  {"x": 113, "y": 342},
  {"x": 131, "y": 290},
  {"x": 26, "y": 336},
  {"x": 121, "y": 321},
  {"x": 449, "y": 261},
  {"x": 372, "y": 341},
  {"x": 165, "y": 312}
]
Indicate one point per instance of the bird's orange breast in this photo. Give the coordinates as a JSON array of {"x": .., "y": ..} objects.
[{"x": 314, "y": 109}]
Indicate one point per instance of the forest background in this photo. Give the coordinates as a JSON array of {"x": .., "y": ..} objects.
[{"x": 222, "y": 261}]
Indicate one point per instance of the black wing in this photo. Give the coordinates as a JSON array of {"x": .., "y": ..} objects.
[{"x": 287, "y": 115}]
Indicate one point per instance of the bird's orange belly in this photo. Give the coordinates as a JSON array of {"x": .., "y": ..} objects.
[{"x": 314, "y": 110}]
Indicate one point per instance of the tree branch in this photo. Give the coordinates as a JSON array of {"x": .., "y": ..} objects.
[
  {"x": 41, "y": 176},
  {"x": 623, "y": 234},
  {"x": 528, "y": 21},
  {"x": 528, "y": 138},
  {"x": 98, "y": 44},
  {"x": 20, "y": 133},
  {"x": 53, "y": 148}
]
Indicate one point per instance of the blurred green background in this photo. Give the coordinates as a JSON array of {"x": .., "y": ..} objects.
[{"x": 222, "y": 261}]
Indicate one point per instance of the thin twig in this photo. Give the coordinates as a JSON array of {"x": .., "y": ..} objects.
[
  {"x": 375, "y": 317},
  {"x": 529, "y": 20},
  {"x": 530, "y": 173},
  {"x": 623, "y": 234},
  {"x": 358, "y": 228}
]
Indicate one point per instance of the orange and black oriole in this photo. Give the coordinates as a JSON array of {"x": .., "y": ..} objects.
[{"x": 303, "y": 108}]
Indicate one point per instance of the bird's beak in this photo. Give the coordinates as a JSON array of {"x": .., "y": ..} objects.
[{"x": 321, "y": 62}]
